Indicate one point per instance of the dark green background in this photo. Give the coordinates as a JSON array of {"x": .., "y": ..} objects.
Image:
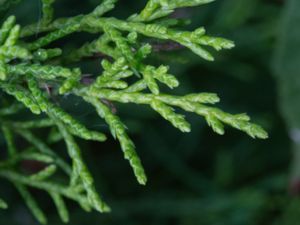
[{"x": 198, "y": 178}]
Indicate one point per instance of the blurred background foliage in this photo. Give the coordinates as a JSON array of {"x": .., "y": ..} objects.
[{"x": 199, "y": 178}]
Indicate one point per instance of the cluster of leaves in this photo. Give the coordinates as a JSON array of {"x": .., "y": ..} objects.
[{"x": 126, "y": 78}]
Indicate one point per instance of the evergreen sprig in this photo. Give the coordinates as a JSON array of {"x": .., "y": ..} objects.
[{"x": 26, "y": 66}]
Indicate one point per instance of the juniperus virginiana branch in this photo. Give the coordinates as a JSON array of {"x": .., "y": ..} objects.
[{"x": 24, "y": 66}]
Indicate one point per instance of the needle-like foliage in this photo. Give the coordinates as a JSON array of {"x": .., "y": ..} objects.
[{"x": 126, "y": 77}]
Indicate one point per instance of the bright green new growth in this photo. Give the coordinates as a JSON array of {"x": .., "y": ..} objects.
[{"x": 25, "y": 67}]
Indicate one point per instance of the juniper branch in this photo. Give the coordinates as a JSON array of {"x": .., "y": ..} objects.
[{"x": 125, "y": 78}]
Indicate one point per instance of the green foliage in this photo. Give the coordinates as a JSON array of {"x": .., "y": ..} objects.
[
  {"x": 286, "y": 65},
  {"x": 126, "y": 77},
  {"x": 3, "y": 204},
  {"x": 286, "y": 70}
]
